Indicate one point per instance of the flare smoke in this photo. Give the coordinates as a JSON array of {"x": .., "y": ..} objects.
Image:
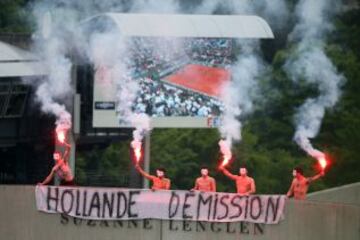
[
  {"x": 107, "y": 51},
  {"x": 311, "y": 64},
  {"x": 238, "y": 95},
  {"x": 56, "y": 86},
  {"x": 106, "y": 54}
]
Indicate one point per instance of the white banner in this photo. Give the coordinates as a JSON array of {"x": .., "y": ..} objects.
[{"x": 131, "y": 204}]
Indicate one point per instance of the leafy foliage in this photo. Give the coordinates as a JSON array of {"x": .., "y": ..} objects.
[{"x": 13, "y": 17}]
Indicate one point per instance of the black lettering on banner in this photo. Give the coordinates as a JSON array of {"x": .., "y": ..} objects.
[
  {"x": 171, "y": 226},
  {"x": 215, "y": 206},
  {"x": 200, "y": 225},
  {"x": 274, "y": 208},
  {"x": 67, "y": 202},
  {"x": 77, "y": 210},
  {"x": 186, "y": 205},
  {"x": 186, "y": 226},
  {"x": 52, "y": 198},
  {"x": 259, "y": 228},
  {"x": 121, "y": 195},
  {"x": 236, "y": 205},
  {"x": 85, "y": 203},
  {"x": 91, "y": 223},
  {"x": 204, "y": 201},
  {"x": 246, "y": 206},
  {"x": 244, "y": 228},
  {"x": 104, "y": 223},
  {"x": 95, "y": 204},
  {"x": 212, "y": 227},
  {"x": 134, "y": 223},
  {"x": 77, "y": 221},
  {"x": 253, "y": 209},
  {"x": 147, "y": 224},
  {"x": 224, "y": 204},
  {"x": 108, "y": 204},
  {"x": 229, "y": 229},
  {"x": 256, "y": 208},
  {"x": 174, "y": 197},
  {"x": 131, "y": 203},
  {"x": 64, "y": 219}
]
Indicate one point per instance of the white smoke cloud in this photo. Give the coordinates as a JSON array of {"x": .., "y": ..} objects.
[
  {"x": 231, "y": 6},
  {"x": 56, "y": 39},
  {"x": 55, "y": 88},
  {"x": 238, "y": 95},
  {"x": 276, "y": 12},
  {"x": 155, "y": 6},
  {"x": 312, "y": 65},
  {"x": 107, "y": 51},
  {"x": 106, "y": 54}
]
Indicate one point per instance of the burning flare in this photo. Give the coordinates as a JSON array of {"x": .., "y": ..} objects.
[
  {"x": 61, "y": 136},
  {"x": 225, "y": 161},
  {"x": 305, "y": 144},
  {"x": 322, "y": 162},
  {"x": 63, "y": 124},
  {"x": 136, "y": 145},
  {"x": 225, "y": 150}
]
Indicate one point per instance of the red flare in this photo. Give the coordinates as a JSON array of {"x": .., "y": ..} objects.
[
  {"x": 225, "y": 162},
  {"x": 136, "y": 146},
  {"x": 137, "y": 152},
  {"x": 322, "y": 162},
  {"x": 61, "y": 136},
  {"x": 225, "y": 147}
]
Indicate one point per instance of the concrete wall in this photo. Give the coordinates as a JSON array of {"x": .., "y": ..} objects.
[
  {"x": 348, "y": 194},
  {"x": 303, "y": 220}
]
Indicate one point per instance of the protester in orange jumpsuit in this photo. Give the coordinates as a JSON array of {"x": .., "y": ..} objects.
[
  {"x": 300, "y": 184},
  {"x": 159, "y": 182},
  {"x": 244, "y": 185},
  {"x": 205, "y": 183}
]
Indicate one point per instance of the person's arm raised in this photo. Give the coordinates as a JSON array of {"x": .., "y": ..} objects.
[
  {"x": 227, "y": 173},
  {"x": 142, "y": 172},
  {"x": 316, "y": 177},
  {"x": 67, "y": 152}
]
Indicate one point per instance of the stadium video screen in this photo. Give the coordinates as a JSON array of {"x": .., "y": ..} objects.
[{"x": 179, "y": 81}]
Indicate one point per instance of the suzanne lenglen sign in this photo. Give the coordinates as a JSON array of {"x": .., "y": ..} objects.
[{"x": 131, "y": 204}]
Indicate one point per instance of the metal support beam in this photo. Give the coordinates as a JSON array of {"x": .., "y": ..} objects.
[{"x": 146, "y": 158}]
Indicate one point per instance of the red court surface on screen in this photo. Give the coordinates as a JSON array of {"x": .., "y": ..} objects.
[{"x": 201, "y": 79}]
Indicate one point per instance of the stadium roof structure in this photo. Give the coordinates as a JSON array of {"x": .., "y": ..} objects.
[
  {"x": 181, "y": 25},
  {"x": 15, "y": 62}
]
